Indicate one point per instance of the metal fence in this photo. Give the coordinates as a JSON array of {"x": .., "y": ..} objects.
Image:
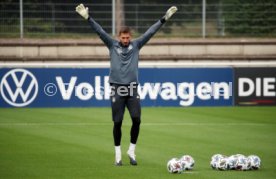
[{"x": 192, "y": 20}]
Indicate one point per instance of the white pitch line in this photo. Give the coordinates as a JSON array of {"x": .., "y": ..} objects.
[
  {"x": 128, "y": 124},
  {"x": 190, "y": 172},
  {"x": 54, "y": 124},
  {"x": 206, "y": 124}
]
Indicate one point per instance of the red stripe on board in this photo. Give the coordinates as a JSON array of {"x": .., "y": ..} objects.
[{"x": 264, "y": 101}]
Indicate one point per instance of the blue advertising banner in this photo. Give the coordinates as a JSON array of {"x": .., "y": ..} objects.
[
  {"x": 85, "y": 87},
  {"x": 186, "y": 86}
]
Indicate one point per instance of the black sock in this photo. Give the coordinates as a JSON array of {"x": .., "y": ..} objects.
[
  {"x": 134, "y": 132},
  {"x": 117, "y": 133}
]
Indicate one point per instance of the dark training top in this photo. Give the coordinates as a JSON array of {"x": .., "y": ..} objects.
[{"x": 124, "y": 59}]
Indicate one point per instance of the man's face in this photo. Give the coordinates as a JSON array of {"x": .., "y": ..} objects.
[{"x": 125, "y": 38}]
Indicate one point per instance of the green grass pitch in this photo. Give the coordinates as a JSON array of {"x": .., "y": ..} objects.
[{"x": 78, "y": 143}]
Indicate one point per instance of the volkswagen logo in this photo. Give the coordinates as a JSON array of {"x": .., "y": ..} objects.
[{"x": 19, "y": 87}]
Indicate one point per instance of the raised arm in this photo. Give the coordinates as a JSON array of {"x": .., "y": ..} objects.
[
  {"x": 141, "y": 41},
  {"x": 105, "y": 37}
]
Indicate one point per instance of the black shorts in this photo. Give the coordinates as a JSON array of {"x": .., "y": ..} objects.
[{"x": 125, "y": 96}]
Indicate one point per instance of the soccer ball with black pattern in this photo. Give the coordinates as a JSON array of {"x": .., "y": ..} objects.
[
  {"x": 187, "y": 162},
  {"x": 174, "y": 166},
  {"x": 254, "y": 162},
  {"x": 216, "y": 161}
]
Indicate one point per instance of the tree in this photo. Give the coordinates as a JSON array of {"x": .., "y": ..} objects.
[
  {"x": 250, "y": 17},
  {"x": 120, "y": 14}
]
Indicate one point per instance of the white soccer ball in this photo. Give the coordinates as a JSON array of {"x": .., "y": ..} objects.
[
  {"x": 254, "y": 162},
  {"x": 174, "y": 166},
  {"x": 187, "y": 162},
  {"x": 232, "y": 162},
  {"x": 215, "y": 160},
  {"x": 222, "y": 163},
  {"x": 243, "y": 163}
]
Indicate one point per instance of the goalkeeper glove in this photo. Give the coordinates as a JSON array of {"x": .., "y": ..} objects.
[
  {"x": 83, "y": 11},
  {"x": 169, "y": 14}
]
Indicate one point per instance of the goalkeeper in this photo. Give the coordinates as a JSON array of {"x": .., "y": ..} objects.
[{"x": 123, "y": 77}]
